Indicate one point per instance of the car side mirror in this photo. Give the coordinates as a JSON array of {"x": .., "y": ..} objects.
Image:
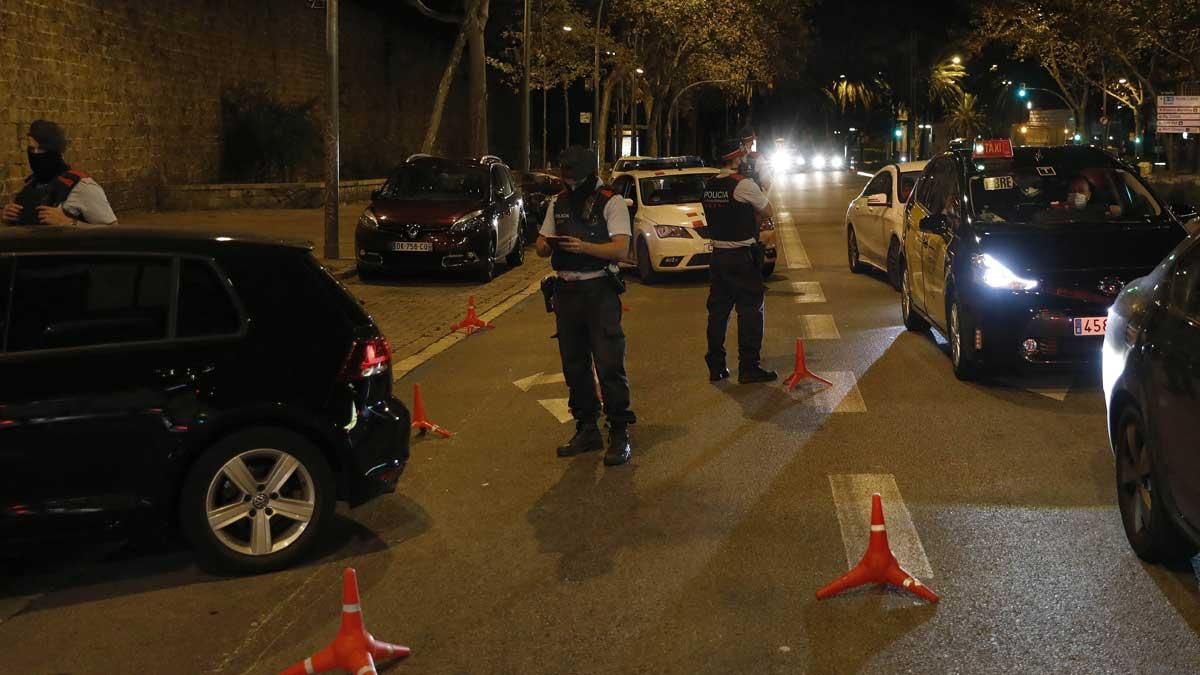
[
  {"x": 878, "y": 199},
  {"x": 935, "y": 223}
]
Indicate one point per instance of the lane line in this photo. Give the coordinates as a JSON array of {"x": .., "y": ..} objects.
[
  {"x": 526, "y": 383},
  {"x": 406, "y": 366},
  {"x": 819, "y": 327},
  {"x": 808, "y": 291},
  {"x": 852, "y": 499},
  {"x": 557, "y": 407},
  {"x": 1050, "y": 386}
]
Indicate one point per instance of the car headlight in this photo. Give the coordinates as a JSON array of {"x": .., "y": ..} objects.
[
  {"x": 818, "y": 161},
  {"x": 994, "y": 274},
  {"x": 472, "y": 221},
  {"x": 799, "y": 160},
  {"x": 368, "y": 221},
  {"x": 836, "y": 162},
  {"x": 672, "y": 232}
]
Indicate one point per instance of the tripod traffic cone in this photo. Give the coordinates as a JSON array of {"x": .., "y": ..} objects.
[
  {"x": 801, "y": 371},
  {"x": 353, "y": 650},
  {"x": 472, "y": 322},
  {"x": 878, "y": 564},
  {"x": 420, "y": 421}
]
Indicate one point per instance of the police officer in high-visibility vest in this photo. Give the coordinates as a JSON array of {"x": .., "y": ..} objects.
[
  {"x": 730, "y": 202},
  {"x": 585, "y": 232}
]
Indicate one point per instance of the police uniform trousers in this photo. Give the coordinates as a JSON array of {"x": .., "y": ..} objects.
[
  {"x": 588, "y": 315},
  {"x": 736, "y": 282}
]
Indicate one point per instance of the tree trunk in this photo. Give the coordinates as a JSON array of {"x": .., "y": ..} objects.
[
  {"x": 652, "y": 114},
  {"x": 566, "y": 117},
  {"x": 443, "y": 91},
  {"x": 545, "y": 136},
  {"x": 476, "y": 24},
  {"x": 601, "y": 121}
]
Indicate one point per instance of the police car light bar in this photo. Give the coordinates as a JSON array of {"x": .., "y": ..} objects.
[{"x": 992, "y": 149}]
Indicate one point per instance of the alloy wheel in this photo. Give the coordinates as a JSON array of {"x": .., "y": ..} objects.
[
  {"x": 260, "y": 501},
  {"x": 955, "y": 337},
  {"x": 1136, "y": 488}
]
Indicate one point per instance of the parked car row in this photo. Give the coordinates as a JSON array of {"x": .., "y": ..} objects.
[{"x": 1051, "y": 257}]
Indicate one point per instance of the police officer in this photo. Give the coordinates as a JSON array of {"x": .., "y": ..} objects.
[
  {"x": 585, "y": 232},
  {"x": 730, "y": 202},
  {"x": 56, "y": 194}
]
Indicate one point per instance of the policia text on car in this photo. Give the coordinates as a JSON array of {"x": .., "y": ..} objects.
[
  {"x": 585, "y": 232},
  {"x": 730, "y": 201}
]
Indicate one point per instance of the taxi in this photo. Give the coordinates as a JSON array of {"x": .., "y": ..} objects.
[
  {"x": 1016, "y": 254},
  {"x": 670, "y": 233}
]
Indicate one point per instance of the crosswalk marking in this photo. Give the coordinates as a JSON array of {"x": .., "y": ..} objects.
[
  {"x": 819, "y": 327},
  {"x": 557, "y": 407},
  {"x": 808, "y": 291},
  {"x": 842, "y": 397},
  {"x": 852, "y": 499},
  {"x": 526, "y": 383}
]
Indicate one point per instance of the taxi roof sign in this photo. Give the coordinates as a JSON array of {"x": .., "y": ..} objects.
[{"x": 992, "y": 149}]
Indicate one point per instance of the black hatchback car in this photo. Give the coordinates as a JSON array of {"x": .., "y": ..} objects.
[
  {"x": 1152, "y": 387},
  {"x": 443, "y": 214},
  {"x": 228, "y": 386},
  {"x": 1017, "y": 254}
]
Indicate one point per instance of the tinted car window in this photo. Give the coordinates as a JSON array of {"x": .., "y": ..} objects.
[
  {"x": 621, "y": 186},
  {"x": 503, "y": 185},
  {"x": 908, "y": 179},
  {"x": 438, "y": 181},
  {"x": 1042, "y": 194},
  {"x": 205, "y": 306},
  {"x": 880, "y": 184},
  {"x": 79, "y": 301},
  {"x": 1185, "y": 286},
  {"x": 677, "y": 189}
]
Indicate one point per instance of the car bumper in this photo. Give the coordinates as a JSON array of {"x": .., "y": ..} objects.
[
  {"x": 376, "y": 450},
  {"x": 1005, "y": 321},
  {"x": 374, "y": 249},
  {"x": 679, "y": 255}
]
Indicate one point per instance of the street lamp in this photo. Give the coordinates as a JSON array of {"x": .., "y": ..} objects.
[
  {"x": 639, "y": 71},
  {"x": 956, "y": 59},
  {"x": 567, "y": 29}
]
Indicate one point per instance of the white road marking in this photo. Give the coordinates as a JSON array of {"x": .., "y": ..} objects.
[
  {"x": 842, "y": 397},
  {"x": 808, "y": 291},
  {"x": 819, "y": 327},
  {"x": 525, "y": 383},
  {"x": 1049, "y": 385},
  {"x": 406, "y": 366},
  {"x": 557, "y": 407},
  {"x": 852, "y": 499}
]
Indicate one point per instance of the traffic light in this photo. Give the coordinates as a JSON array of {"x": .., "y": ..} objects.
[
  {"x": 899, "y": 132},
  {"x": 1022, "y": 92}
]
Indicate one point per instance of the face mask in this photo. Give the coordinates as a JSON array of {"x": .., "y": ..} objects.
[
  {"x": 1077, "y": 199},
  {"x": 45, "y": 165}
]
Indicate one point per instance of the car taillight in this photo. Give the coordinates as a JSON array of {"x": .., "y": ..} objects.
[{"x": 368, "y": 357}]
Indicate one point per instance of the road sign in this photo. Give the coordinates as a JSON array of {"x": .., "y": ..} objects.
[
  {"x": 1178, "y": 114},
  {"x": 585, "y": 118}
]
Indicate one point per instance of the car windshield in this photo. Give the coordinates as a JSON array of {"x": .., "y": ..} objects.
[
  {"x": 673, "y": 189},
  {"x": 436, "y": 181},
  {"x": 907, "y": 180},
  {"x": 1052, "y": 195}
]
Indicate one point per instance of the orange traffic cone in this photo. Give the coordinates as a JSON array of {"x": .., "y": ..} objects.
[
  {"x": 420, "y": 421},
  {"x": 802, "y": 372},
  {"x": 354, "y": 650},
  {"x": 878, "y": 564},
  {"x": 472, "y": 322}
]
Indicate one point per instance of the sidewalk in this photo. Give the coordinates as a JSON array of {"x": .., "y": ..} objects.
[
  {"x": 293, "y": 224},
  {"x": 413, "y": 311}
]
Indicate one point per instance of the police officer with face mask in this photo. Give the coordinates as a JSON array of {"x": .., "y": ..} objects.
[
  {"x": 56, "y": 194},
  {"x": 730, "y": 203},
  {"x": 585, "y": 232}
]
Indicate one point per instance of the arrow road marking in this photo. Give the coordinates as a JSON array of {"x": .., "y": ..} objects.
[
  {"x": 526, "y": 383},
  {"x": 558, "y": 408},
  {"x": 852, "y": 499}
]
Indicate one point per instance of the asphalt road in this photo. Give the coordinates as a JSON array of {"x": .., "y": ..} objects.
[{"x": 703, "y": 554}]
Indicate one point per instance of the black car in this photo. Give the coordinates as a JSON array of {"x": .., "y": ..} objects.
[
  {"x": 1152, "y": 387},
  {"x": 227, "y": 386},
  {"x": 1006, "y": 255},
  {"x": 443, "y": 214},
  {"x": 536, "y": 190}
]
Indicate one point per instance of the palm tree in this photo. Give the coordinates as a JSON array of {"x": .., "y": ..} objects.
[
  {"x": 845, "y": 94},
  {"x": 964, "y": 118}
]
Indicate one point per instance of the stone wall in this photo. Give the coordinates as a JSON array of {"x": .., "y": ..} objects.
[
  {"x": 137, "y": 83},
  {"x": 261, "y": 195}
]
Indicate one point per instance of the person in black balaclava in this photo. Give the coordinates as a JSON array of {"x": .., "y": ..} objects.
[
  {"x": 56, "y": 194},
  {"x": 585, "y": 232}
]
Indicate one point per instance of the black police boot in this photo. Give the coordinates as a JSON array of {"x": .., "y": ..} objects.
[
  {"x": 718, "y": 374},
  {"x": 586, "y": 439},
  {"x": 756, "y": 374},
  {"x": 618, "y": 445}
]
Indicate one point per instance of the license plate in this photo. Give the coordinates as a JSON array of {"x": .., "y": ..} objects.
[
  {"x": 708, "y": 247},
  {"x": 1092, "y": 325},
  {"x": 421, "y": 246}
]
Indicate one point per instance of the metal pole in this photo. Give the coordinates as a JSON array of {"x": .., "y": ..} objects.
[
  {"x": 596, "y": 140},
  {"x": 331, "y": 132},
  {"x": 525, "y": 112}
]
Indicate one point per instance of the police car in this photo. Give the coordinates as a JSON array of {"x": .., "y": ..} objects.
[{"x": 670, "y": 233}]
